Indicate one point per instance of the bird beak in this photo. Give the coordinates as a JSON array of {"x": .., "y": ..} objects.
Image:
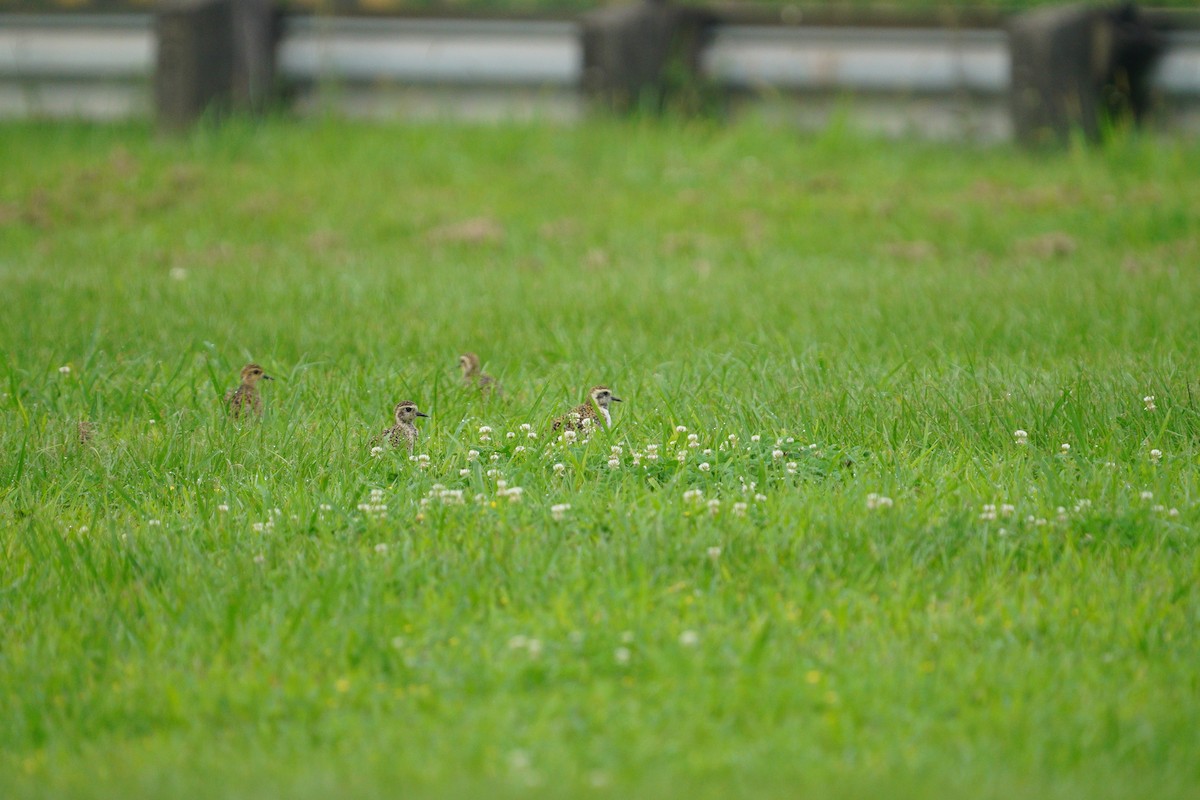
[
  {"x": 267, "y": 378},
  {"x": 617, "y": 400},
  {"x": 422, "y": 414}
]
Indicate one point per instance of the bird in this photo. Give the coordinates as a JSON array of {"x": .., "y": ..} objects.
[
  {"x": 246, "y": 396},
  {"x": 404, "y": 431},
  {"x": 473, "y": 375},
  {"x": 595, "y": 409}
]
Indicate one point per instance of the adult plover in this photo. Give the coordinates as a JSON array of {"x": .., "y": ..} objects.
[
  {"x": 404, "y": 432},
  {"x": 595, "y": 409},
  {"x": 246, "y": 397},
  {"x": 473, "y": 375}
]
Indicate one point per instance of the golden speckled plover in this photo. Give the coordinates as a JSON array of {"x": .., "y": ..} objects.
[
  {"x": 596, "y": 409},
  {"x": 473, "y": 375},
  {"x": 404, "y": 432},
  {"x": 245, "y": 398}
]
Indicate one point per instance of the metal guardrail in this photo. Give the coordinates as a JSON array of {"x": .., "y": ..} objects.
[{"x": 107, "y": 50}]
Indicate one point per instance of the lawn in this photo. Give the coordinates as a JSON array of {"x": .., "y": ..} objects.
[{"x": 856, "y": 579}]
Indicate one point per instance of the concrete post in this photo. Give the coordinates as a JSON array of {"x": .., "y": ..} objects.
[
  {"x": 213, "y": 55},
  {"x": 644, "y": 56},
  {"x": 1075, "y": 67}
]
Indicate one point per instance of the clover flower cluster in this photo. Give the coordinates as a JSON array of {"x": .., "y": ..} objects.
[{"x": 374, "y": 506}]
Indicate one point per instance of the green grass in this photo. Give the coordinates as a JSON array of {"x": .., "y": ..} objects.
[{"x": 897, "y": 309}]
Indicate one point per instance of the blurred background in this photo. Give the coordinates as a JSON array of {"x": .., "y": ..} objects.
[{"x": 925, "y": 67}]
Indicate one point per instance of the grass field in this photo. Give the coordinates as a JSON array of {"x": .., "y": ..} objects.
[{"x": 859, "y": 581}]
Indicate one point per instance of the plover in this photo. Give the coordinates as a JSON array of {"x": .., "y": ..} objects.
[
  {"x": 246, "y": 397},
  {"x": 473, "y": 375},
  {"x": 595, "y": 409},
  {"x": 404, "y": 432}
]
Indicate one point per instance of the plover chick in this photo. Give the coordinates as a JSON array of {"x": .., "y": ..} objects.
[
  {"x": 404, "y": 432},
  {"x": 246, "y": 397},
  {"x": 473, "y": 375},
  {"x": 595, "y": 409}
]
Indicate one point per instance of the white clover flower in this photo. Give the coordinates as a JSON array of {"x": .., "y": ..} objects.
[
  {"x": 481, "y": 498},
  {"x": 714, "y": 506},
  {"x": 519, "y": 449},
  {"x": 692, "y": 495},
  {"x": 681, "y": 456},
  {"x": 1149, "y": 401},
  {"x": 878, "y": 501},
  {"x": 739, "y": 509},
  {"x": 423, "y": 461},
  {"x": 616, "y": 450},
  {"x": 560, "y": 468},
  {"x": 759, "y": 498},
  {"x": 65, "y": 369},
  {"x": 510, "y": 435},
  {"x": 732, "y": 438},
  {"x": 689, "y": 638},
  {"x": 569, "y": 435},
  {"x": 1020, "y": 436},
  {"x": 776, "y": 454},
  {"x": 154, "y": 522},
  {"x": 680, "y": 429},
  {"x": 586, "y": 422},
  {"x": 652, "y": 448},
  {"x": 704, "y": 466},
  {"x": 484, "y": 430},
  {"x": 714, "y": 553},
  {"x": 988, "y": 513},
  {"x": 693, "y": 438},
  {"x": 464, "y": 472},
  {"x": 791, "y": 439},
  {"x": 1065, "y": 447},
  {"x": 1147, "y": 495},
  {"x": 1174, "y": 512},
  {"x": 501, "y": 485},
  {"x": 326, "y": 507},
  {"x": 472, "y": 455},
  {"x": 526, "y": 427},
  {"x": 376, "y": 495},
  {"x": 491, "y": 473},
  {"x": 1158, "y": 509},
  {"x": 622, "y": 655},
  {"x": 614, "y": 463},
  {"x": 791, "y": 467},
  {"x": 258, "y": 527},
  {"x": 559, "y": 511},
  {"x": 494, "y": 457},
  {"x": 1156, "y": 455},
  {"x": 1007, "y": 509},
  {"x": 84, "y": 528},
  {"x": 381, "y": 547},
  {"x": 515, "y": 494},
  {"x": 756, "y": 438},
  {"x": 223, "y": 507},
  {"x": 532, "y": 434},
  {"x": 377, "y": 452}
]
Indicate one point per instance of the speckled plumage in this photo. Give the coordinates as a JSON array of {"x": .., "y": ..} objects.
[
  {"x": 245, "y": 398},
  {"x": 404, "y": 433},
  {"x": 473, "y": 375},
  {"x": 595, "y": 409}
]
